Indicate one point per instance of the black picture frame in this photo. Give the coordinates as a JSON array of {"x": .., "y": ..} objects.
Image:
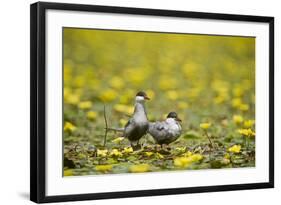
[{"x": 38, "y": 100}]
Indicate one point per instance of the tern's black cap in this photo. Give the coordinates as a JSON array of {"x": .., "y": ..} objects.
[
  {"x": 141, "y": 93},
  {"x": 172, "y": 115}
]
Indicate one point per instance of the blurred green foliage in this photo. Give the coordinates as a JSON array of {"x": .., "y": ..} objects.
[{"x": 204, "y": 78}]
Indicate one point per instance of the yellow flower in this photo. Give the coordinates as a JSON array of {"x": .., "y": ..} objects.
[
  {"x": 85, "y": 105},
  {"x": 91, "y": 115},
  {"x": 249, "y": 123},
  {"x": 118, "y": 139},
  {"x": 237, "y": 119},
  {"x": 102, "y": 153},
  {"x": 186, "y": 161},
  {"x": 139, "y": 168},
  {"x": 148, "y": 154},
  {"x": 235, "y": 149},
  {"x": 237, "y": 91},
  {"x": 137, "y": 75},
  {"x": 188, "y": 154},
  {"x": 247, "y": 132},
  {"x": 244, "y": 107},
  {"x": 196, "y": 157},
  {"x": 123, "y": 122},
  {"x": 115, "y": 153},
  {"x": 220, "y": 99},
  {"x": 205, "y": 125},
  {"x": 126, "y": 96},
  {"x": 182, "y": 162},
  {"x": 117, "y": 82},
  {"x": 182, "y": 105},
  {"x": 68, "y": 172},
  {"x": 72, "y": 98},
  {"x": 128, "y": 150},
  {"x": 226, "y": 156},
  {"x": 172, "y": 95},
  {"x": 103, "y": 168},
  {"x": 108, "y": 95},
  {"x": 236, "y": 102},
  {"x": 79, "y": 81},
  {"x": 68, "y": 126},
  {"x": 126, "y": 109},
  {"x": 167, "y": 83}
]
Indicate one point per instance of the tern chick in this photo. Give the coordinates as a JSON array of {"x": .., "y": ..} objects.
[
  {"x": 137, "y": 126},
  {"x": 166, "y": 132}
]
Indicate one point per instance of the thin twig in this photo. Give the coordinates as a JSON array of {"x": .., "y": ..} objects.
[
  {"x": 209, "y": 139},
  {"x": 106, "y": 126}
]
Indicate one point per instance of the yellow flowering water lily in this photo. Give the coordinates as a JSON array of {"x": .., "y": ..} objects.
[
  {"x": 117, "y": 82},
  {"x": 205, "y": 125},
  {"x": 236, "y": 102},
  {"x": 92, "y": 115},
  {"x": 226, "y": 156},
  {"x": 172, "y": 95},
  {"x": 116, "y": 153},
  {"x": 247, "y": 132},
  {"x": 182, "y": 105},
  {"x": 123, "y": 122},
  {"x": 237, "y": 91},
  {"x": 128, "y": 150},
  {"x": 102, "y": 153},
  {"x": 139, "y": 168},
  {"x": 126, "y": 109},
  {"x": 85, "y": 105},
  {"x": 165, "y": 84},
  {"x": 196, "y": 157},
  {"x": 68, "y": 172},
  {"x": 118, "y": 139},
  {"x": 187, "y": 154},
  {"x": 244, "y": 107},
  {"x": 237, "y": 119},
  {"x": 148, "y": 154},
  {"x": 184, "y": 162},
  {"x": 68, "y": 126},
  {"x": 108, "y": 95},
  {"x": 235, "y": 149},
  {"x": 103, "y": 168},
  {"x": 249, "y": 123},
  {"x": 71, "y": 98}
]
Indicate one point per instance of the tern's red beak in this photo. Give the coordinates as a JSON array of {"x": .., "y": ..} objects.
[
  {"x": 147, "y": 98},
  {"x": 178, "y": 119}
]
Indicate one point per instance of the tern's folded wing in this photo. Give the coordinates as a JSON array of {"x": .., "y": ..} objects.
[
  {"x": 158, "y": 129},
  {"x": 129, "y": 127}
]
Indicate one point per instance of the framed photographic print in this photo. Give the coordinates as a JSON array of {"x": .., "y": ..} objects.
[{"x": 129, "y": 102}]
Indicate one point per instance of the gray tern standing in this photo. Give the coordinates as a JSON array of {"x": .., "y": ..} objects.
[{"x": 137, "y": 126}]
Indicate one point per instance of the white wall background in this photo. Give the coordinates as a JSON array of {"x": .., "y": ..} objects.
[{"x": 14, "y": 100}]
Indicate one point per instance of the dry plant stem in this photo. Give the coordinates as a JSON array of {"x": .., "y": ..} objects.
[
  {"x": 106, "y": 126},
  {"x": 212, "y": 146}
]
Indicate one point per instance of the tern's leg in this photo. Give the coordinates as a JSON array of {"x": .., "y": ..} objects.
[
  {"x": 136, "y": 147},
  {"x": 165, "y": 147}
]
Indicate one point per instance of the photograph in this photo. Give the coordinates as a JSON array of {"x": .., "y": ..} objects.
[{"x": 143, "y": 101}]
